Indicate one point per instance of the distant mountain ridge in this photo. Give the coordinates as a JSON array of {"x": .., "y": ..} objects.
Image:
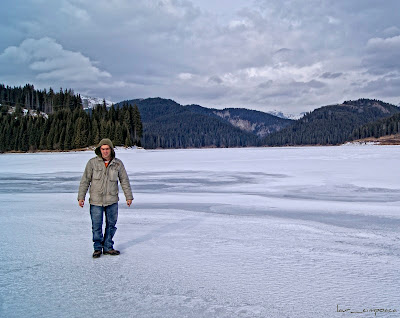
[
  {"x": 167, "y": 124},
  {"x": 253, "y": 121},
  {"x": 90, "y": 102},
  {"x": 280, "y": 114},
  {"x": 333, "y": 124}
]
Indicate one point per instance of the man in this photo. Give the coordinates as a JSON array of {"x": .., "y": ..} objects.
[{"x": 102, "y": 174}]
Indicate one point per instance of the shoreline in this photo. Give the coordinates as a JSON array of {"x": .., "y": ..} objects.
[{"x": 369, "y": 142}]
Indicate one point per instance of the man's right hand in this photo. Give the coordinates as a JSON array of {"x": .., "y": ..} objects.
[{"x": 81, "y": 203}]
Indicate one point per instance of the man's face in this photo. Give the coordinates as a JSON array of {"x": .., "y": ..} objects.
[{"x": 105, "y": 152}]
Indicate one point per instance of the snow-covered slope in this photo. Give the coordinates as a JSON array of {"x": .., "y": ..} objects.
[
  {"x": 280, "y": 114},
  {"x": 90, "y": 102}
]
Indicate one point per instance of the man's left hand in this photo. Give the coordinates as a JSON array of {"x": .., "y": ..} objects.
[{"x": 128, "y": 202}]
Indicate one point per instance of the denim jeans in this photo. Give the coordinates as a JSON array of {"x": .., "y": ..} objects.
[{"x": 96, "y": 213}]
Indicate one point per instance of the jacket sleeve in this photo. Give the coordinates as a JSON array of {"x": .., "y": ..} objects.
[
  {"x": 85, "y": 181},
  {"x": 125, "y": 184}
]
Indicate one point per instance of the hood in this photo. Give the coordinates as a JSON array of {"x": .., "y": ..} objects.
[{"x": 103, "y": 142}]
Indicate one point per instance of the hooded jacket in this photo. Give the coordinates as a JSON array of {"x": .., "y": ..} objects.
[{"x": 103, "y": 181}]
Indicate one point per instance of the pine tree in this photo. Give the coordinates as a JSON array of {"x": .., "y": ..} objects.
[
  {"x": 62, "y": 138},
  {"x": 137, "y": 123},
  {"x": 79, "y": 133},
  {"x": 69, "y": 134},
  {"x": 103, "y": 129},
  {"x": 118, "y": 135},
  {"x": 50, "y": 138},
  {"x": 128, "y": 142},
  {"x": 95, "y": 131},
  {"x": 42, "y": 143},
  {"x": 31, "y": 134}
]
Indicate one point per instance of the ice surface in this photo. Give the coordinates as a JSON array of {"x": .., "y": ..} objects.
[{"x": 254, "y": 232}]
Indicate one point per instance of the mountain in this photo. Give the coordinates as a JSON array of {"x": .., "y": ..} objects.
[
  {"x": 280, "y": 114},
  {"x": 90, "y": 102},
  {"x": 167, "y": 124},
  {"x": 256, "y": 122},
  {"x": 331, "y": 125}
]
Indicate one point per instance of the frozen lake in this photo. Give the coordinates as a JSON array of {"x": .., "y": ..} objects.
[{"x": 254, "y": 232}]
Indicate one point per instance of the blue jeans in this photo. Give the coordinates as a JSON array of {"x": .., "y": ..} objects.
[{"x": 96, "y": 213}]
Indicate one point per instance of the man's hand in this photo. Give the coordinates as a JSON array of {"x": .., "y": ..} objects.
[
  {"x": 128, "y": 202},
  {"x": 81, "y": 203}
]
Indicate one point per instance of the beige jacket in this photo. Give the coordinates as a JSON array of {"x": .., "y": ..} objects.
[{"x": 103, "y": 181}]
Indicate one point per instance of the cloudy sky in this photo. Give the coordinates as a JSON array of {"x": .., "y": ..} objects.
[{"x": 288, "y": 55}]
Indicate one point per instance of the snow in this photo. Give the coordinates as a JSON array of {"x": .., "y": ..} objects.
[
  {"x": 91, "y": 102},
  {"x": 360, "y": 143},
  {"x": 26, "y": 112},
  {"x": 252, "y": 232},
  {"x": 280, "y": 114}
]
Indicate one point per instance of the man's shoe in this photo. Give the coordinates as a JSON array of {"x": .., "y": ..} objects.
[
  {"x": 111, "y": 252},
  {"x": 96, "y": 254}
]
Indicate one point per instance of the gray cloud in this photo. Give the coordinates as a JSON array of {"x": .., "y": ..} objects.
[
  {"x": 215, "y": 79},
  {"x": 391, "y": 31},
  {"x": 383, "y": 55},
  {"x": 292, "y": 88},
  {"x": 329, "y": 75},
  {"x": 48, "y": 60},
  {"x": 291, "y": 55},
  {"x": 386, "y": 86}
]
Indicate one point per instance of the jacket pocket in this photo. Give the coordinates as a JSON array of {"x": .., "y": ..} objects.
[
  {"x": 113, "y": 187},
  {"x": 113, "y": 175},
  {"x": 97, "y": 174},
  {"x": 113, "y": 181},
  {"x": 96, "y": 183}
]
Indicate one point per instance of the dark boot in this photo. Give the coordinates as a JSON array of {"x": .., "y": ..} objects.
[
  {"x": 96, "y": 254},
  {"x": 111, "y": 252}
]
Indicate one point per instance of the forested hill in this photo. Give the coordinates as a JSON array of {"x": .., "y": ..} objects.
[
  {"x": 32, "y": 120},
  {"x": 331, "y": 125},
  {"x": 167, "y": 124},
  {"x": 46, "y": 101},
  {"x": 382, "y": 127},
  {"x": 256, "y": 122}
]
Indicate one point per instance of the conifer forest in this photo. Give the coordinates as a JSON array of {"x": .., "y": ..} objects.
[{"x": 32, "y": 120}]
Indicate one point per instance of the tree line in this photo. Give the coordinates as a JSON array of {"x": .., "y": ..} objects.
[
  {"x": 68, "y": 126},
  {"x": 40, "y": 100},
  {"x": 379, "y": 128},
  {"x": 167, "y": 124},
  {"x": 335, "y": 124},
  {"x": 36, "y": 120},
  {"x": 190, "y": 130}
]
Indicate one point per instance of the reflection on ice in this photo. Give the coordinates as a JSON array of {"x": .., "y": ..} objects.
[{"x": 200, "y": 181}]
